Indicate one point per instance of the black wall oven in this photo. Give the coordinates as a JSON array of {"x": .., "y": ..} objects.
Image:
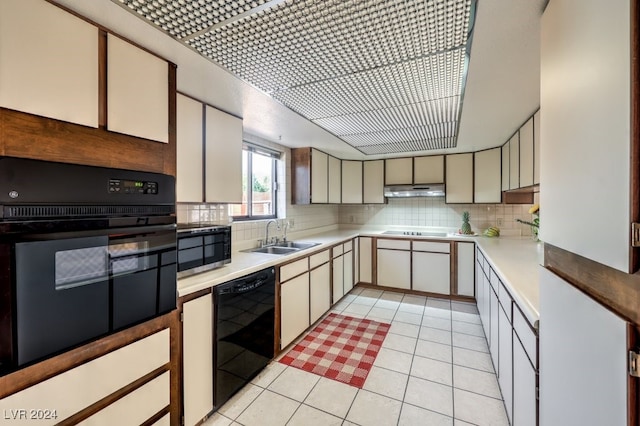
[{"x": 84, "y": 251}]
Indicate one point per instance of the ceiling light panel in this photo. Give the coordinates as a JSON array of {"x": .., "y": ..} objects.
[
  {"x": 181, "y": 18},
  {"x": 436, "y": 77},
  {"x": 300, "y": 42}
]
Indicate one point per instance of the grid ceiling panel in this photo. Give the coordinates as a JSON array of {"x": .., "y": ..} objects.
[
  {"x": 386, "y": 76},
  {"x": 436, "y": 77},
  {"x": 412, "y": 115}
]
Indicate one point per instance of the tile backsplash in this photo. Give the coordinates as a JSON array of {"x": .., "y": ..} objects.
[{"x": 433, "y": 212}]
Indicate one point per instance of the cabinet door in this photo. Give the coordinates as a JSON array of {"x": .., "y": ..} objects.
[
  {"x": 524, "y": 388},
  {"x": 506, "y": 174},
  {"x": 365, "y": 264},
  {"x": 596, "y": 379},
  {"x": 459, "y": 179},
  {"x": 373, "y": 190},
  {"x": 294, "y": 308},
  {"x": 319, "y": 177},
  {"x": 398, "y": 171},
  {"x": 223, "y": 154},
  {"x": 466, "y": 262},
  {"x": 431, "y": 272},
  {"x": 335, "y": 180},
  {"x": 197, "y": 358},
  {"x": 394, "y": 268},
  {"x": 137, "y": 91},
  {"x": 351, "y": 182},
  {"x": 487, "y": 182},
  {"x": 492, "y": 338},
  {"x": 526, "y": 154},
  {"x": 536, "y": 148},
  {"x": 428, "y": 169},
  {"x": 514, "y": 161},
  {"x": 320, "y": 291},
  {"x": 338, "y": 278},
  {"x": 48, "y": 62},
  {"x": 505, "y": 356},
  {"x": 348, "y": 271},
  {"x": 189, "y": 151}
]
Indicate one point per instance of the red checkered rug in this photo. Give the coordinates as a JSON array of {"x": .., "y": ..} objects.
[{"x": 340, "y": 348}]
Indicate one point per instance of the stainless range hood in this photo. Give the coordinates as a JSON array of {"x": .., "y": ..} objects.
[{"x": 405, "y": 191}]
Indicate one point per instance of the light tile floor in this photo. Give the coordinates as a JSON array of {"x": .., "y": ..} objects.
[{"x": 434, "y": 368}]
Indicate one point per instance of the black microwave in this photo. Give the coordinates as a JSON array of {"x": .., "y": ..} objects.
[{"x": 202, "y": 248}]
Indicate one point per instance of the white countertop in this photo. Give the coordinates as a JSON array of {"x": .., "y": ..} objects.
[{"x": 514, "y": 259}]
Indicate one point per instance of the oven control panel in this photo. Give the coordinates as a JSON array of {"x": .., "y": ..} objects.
[{"x": 123, "y": 186}]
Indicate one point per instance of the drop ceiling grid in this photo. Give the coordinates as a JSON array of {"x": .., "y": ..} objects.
[{"x": 383, "y": 75}]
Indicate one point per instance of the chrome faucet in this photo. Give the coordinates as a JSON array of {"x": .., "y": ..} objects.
[{"x": 266, "y": 233}]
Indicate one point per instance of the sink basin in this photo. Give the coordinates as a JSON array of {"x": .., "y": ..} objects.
[
  {"x": 274, "y": 250},
  {"x": 283, "y": 248},
  {"x": 296, "y": 245}
]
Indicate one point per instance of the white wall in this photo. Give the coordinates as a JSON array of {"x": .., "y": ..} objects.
[{"x": 585, "y": 128}]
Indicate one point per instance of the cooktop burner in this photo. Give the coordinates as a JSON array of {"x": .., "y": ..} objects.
[{"x": 417, "y": 233}]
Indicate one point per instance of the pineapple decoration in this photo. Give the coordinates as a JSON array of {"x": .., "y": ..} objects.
[{"x": 466, "y": 226}]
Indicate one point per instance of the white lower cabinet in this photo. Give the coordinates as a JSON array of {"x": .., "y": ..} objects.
[
  {"x": 394, "y": 268},
  {"x": 74, "y": 390},
  {"x": 338, "y": 278},
  {"x": 513, "y": 345},
  {"x": 505, "y": 366},
  {"x": 365, "y": 263},
  {"x": 431, "y": 272},
  {"x": 294, "y": 308},
  {"x": 524, "y": 387},
  {"x": 319, "y": 291},
  {"x": 347, "y": 264},
  {"x": 466, "y": 262},
  {"x": 197, "y": 354}
]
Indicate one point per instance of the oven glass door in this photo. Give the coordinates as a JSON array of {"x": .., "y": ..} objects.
[{"x": 76, "y": 286}]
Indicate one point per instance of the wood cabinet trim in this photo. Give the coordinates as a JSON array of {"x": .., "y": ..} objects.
[
  {"x": 110, "y": 399},
  {"x": 192, "y": 296},
  {"x": 156, "y": 417},
  {"x": 617, "y": 291}
]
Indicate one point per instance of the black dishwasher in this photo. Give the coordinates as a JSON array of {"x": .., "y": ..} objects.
[{"x": 243, "y": 322}]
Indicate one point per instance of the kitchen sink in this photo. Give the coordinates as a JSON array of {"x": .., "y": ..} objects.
[{"x": 283, "y": 248}]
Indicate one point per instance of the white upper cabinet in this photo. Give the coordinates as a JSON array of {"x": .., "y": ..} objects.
[
  {"x": 526, "y": 154},
  {"x": 351, "y": 182},
  {"x": 319, "y": 177},
  {"x": 137, "y": 91},
  {"x": 585, "y": 84},
  {"x": 373, "y": 190},
  {"x": 514, "y": 162},
  {"x": 487, "y": 182},
  {"x": 335, "y": 180},
  {"x": 428, "y": 169},
  {"x": 459, "y": 179},
  {"x": 223, "y": 157},
  {"x": 48, "y": 62},
  {"x": 189, "y": 150},
  {"x": 536, "y": 148},
  {"x": 398, "y": 171},
  {"x": 505, "y": 167}
]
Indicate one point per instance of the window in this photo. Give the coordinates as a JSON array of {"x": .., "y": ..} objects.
[{"x": 259, "y": 184}]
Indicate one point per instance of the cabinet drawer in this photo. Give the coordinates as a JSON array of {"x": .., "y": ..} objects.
[
  {"x": 505, "y": 301},
  {"x": 493, "y": 278},
  {"x": 338, "y": 250},
  {"x": 136, "y": 407},
  {"x": 348, "y": 246},
  {"x": 432, "y": 246},
  {"x": 294, "y": 269},
  {"x": 164, "y": 421},
  {"x": 394, "y": 244},
  {"x": 526, "y": 335},
  {"x": 90, "y": 382},
  {"x": 318, "y": 259}
]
